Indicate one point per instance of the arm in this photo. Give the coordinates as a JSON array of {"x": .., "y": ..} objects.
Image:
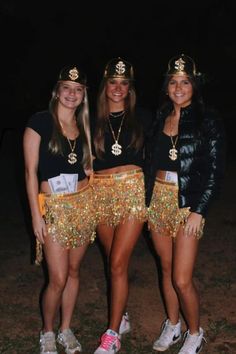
[
  {"x": 31, "y": 143},
  {"x": 215, "y": 160}
]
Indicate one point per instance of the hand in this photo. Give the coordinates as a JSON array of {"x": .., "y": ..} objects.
[
  {"x": 193, "y": 224},
  {"x": 40, "y": 230}
]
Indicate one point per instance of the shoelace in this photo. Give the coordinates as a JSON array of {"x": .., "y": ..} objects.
[{"x": 107, "y": 341}]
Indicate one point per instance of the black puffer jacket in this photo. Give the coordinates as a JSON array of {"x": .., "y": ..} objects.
[{"x": 201, "y": 148}]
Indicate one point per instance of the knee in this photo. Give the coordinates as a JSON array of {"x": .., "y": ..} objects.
[
  {"x": 166, "y": 268},
  {"x": 73, "y": 272},
  {"x": 181, "y": 284},
  {"x": 57, "y": 283},
  {"x": 118, "y": 267}
]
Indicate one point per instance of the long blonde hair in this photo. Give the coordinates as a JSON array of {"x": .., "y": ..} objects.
[{"x": 82, "y": 121}]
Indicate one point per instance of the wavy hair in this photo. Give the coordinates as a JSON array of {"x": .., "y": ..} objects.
[
  {"x": 103, "y": 114},
  {"x": 82, "y": 121}
]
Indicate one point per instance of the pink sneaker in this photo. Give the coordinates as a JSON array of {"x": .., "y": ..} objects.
[{"x": 110, "y": 343}]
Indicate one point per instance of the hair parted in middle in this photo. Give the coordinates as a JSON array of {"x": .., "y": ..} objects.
[
  {"x": 121, "y": 69},
  {"x": 74, "y": 74}
]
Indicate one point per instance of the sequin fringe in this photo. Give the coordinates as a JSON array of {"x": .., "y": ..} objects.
[
  {"x": 70, "y": 218},
  {"x": 164, "y": 214},
  {"x": 120, "y": 197}
]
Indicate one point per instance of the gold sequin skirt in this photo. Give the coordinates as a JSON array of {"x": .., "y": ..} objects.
[
  {"x": 120, "y": 197},
  {"x": 164, "y": 214},
  {"x": 70, "y": 218}
]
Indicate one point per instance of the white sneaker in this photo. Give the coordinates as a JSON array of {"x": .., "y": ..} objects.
[
  {"x": 125, "y": 326},
  {"x": 47, "y": 343},
  {"x": 170, "y": 334},
  {"x": 68, "y": 340},
  {"x": 193, "y": 343},
  {"x": 110, "y": 343}
]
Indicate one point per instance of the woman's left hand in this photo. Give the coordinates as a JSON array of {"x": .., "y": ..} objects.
[{"x": 193, "y": 224}]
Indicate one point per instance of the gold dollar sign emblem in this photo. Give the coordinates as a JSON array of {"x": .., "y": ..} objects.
[
  {"x": 116, "y": 149},
  {"x": 72, "y": 158},
  {"x": 173, "y": 154}
]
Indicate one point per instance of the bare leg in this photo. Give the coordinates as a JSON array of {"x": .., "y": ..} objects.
[
  {"x": 185, "y": 252},
  {"x": 57, "y": 263},
  {"x": 124, "y": 240},
  {"x": 164, "y": 248},
  {"x": 70, "y": 293}
]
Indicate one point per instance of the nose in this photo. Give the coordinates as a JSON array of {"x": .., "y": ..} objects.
[
  {"x": 118, "y": 87},
  {"x": 72, "y": 91},
  {"x": 178, "y": 86}
]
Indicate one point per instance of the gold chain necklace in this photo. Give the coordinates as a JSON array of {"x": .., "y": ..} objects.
[
  {"x": 72, "y": 156},
  {"x": 115, "y": 115},
  {"x": 173, "y": 152},
  {"x": 116, "y": 149}
]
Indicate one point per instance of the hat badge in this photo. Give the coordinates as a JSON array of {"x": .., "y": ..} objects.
[
  {"x": 179, "y": 64},
  {"x": 73, "y": 74},
  {"x": 120, "y": 68}
]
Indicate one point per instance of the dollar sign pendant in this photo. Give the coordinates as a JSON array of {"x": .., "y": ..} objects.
[
  {"x": 116, "y": 149},
  {"x": 173, "y": 154},
  {"x": 72, "y": 158}
]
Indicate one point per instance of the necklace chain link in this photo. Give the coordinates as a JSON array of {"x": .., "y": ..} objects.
[
  {"x": 115, "y": 115},
  {"x": 116, "y": 148},
  {"x": 173, "y": 152},
  {"x": 72, "y": 156}
]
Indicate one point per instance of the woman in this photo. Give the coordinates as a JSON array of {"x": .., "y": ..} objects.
[
  {"x": 57, "y": 150},
  {"x": 185, "y": 165},
  {"x": 118, "y": 182}
]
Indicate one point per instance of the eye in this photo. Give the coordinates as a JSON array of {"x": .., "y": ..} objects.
[
  {"x": 111, "y": 81},
  {"x": 80, "y": 89},
  {"x": 64, "y": 87}
]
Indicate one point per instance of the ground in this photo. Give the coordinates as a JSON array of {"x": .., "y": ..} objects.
[{"x": 22, "y": 281}]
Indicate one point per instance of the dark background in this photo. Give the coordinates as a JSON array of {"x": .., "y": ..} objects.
[{"x": 38, "y": 38}]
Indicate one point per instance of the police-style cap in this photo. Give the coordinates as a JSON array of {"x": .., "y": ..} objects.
[
  {"x": 180, "y": 65},
  {"x": 119, "y": 68},
  {"x": 72, "y": 73}
]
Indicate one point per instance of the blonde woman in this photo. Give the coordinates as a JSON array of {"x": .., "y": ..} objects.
[{"x": 57, "y": 152}]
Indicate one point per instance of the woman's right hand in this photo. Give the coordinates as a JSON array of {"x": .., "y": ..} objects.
[{"x": 39, "y": 228}]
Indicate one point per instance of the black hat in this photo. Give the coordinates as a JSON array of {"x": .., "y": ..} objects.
[
  {"x": 119, "y": 68},
  {"x": 181, "y": 64},
  {"x": 72, "y": 73}
]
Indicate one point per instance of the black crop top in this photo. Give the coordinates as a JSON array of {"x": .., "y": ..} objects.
[
  {"x": 52, "y": 165},
  {"x": 129, "y": 155},
  {"x": 164, "y": 163}
]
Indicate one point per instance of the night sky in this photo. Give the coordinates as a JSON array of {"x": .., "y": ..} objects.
[{"x": 38, "y": 38}]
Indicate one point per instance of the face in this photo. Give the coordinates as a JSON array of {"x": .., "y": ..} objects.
[
  {"x": 180, "y": 90},
  {"x": 70, "y": 94},
  {"x": 117, "y": 89}
]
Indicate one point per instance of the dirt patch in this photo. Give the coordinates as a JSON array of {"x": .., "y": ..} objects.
[{"x": 21, "y": 282}]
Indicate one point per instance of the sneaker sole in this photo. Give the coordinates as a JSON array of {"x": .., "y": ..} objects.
[
  {"x": 68, "y": 352},
  {"x": 163, "y": 349}
]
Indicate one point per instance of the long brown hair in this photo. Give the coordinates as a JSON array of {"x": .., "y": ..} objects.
[{"x": 103, "y": 114}]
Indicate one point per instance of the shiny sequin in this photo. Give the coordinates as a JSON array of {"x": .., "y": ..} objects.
[
  {"x": 70, "y": 218},
  {"x": 164, "y": 215},
  {"x": 120, "y": 197}
]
